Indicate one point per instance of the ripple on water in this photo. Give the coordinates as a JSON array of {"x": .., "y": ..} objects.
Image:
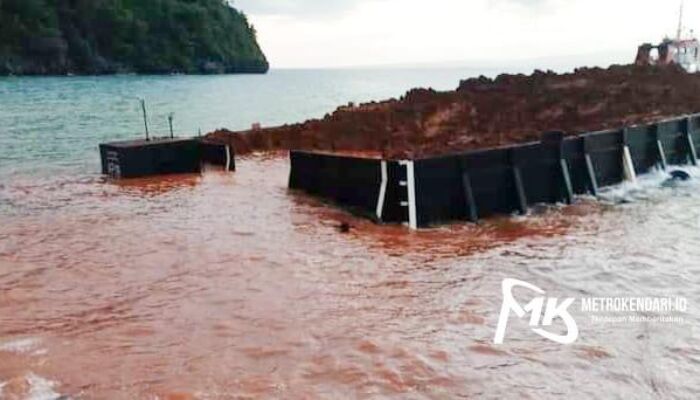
[{"x": 217, "y": 285}]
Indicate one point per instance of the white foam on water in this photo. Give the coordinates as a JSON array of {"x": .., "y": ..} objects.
[
  {"x": 21, "y": 346},
  {"x": 648, "y": 185},
  {"x": 41, "y": 388}
]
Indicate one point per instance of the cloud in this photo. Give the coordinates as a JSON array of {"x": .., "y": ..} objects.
[
  {"x": 315, "y": 8},
  {"x": 527, "y": 3},
  {"x": 312, "y": 33},
  {"x": 297, "y": 8}
]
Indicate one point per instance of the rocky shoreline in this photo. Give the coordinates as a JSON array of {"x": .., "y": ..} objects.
[{"x": 103, "y": 67}]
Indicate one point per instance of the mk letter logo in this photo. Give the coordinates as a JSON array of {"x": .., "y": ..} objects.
[{"x": 552, "y": 311}]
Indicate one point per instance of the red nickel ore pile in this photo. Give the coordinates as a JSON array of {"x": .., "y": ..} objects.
[{"x": 486, "y": 112}]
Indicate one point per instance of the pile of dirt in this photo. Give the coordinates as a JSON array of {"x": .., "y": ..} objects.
[{"x": 485, "y": 112}]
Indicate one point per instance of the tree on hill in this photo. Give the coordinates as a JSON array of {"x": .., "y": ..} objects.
[{"x": 108, "y": 36}]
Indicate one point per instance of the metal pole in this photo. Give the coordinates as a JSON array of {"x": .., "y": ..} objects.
[
  {"x": 145, "y": 118},
  {"x": 170, "y": 122},
  {"x": 679, "y": 33}
]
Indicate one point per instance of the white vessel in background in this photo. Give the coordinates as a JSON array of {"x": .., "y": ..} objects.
[{"x": 683, "y": 50}]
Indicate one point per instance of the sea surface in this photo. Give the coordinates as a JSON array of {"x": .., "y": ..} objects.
[
  {"x": 228, "y": 286},
  {"x": 59, "y": 121}
]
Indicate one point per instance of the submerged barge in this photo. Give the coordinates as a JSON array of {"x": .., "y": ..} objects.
[
  {"x": 152, "y": 156},
  {"x": 162, "y": 156},
  {"x": 469, "y": 186}
]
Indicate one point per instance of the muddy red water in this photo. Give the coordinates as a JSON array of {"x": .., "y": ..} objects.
[{"x": 228, "y": 286}]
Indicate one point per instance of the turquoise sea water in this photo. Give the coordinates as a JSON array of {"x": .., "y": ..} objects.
[{"x": 55, "y": 123}]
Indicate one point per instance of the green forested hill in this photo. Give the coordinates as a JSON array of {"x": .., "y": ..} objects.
[{"x": 109, "y": 36}]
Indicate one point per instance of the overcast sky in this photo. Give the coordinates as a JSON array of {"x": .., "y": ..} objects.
[{"x": 337, "y": 33}]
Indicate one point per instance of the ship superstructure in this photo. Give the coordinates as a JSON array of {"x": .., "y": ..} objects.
[{"x": 683, "y": 50}]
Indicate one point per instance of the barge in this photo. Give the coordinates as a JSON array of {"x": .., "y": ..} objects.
[
  {"x": 468, "y": 186},
  {"x": 162, "y": 156}
]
